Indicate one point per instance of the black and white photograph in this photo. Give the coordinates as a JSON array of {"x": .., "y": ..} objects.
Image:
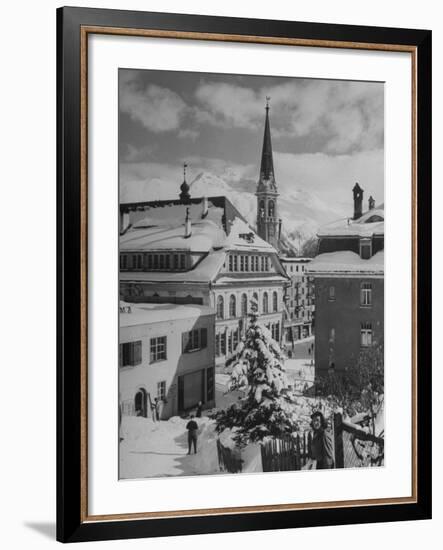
[{"x": 251, "y": 280}]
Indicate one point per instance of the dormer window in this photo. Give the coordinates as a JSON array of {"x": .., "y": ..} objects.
[{"x": 365, "y": 248}]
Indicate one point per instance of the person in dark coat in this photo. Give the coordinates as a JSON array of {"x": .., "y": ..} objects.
[
  {"x": 198, "y": 412},
  {"x": 192, "y": 428},
  {"x": 322, "y": 448}
]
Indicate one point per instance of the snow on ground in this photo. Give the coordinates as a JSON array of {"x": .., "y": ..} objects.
[{"x": 160, "y": 449}]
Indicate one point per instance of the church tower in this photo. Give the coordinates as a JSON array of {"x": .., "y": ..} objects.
[{"x": 268, "y": 223}]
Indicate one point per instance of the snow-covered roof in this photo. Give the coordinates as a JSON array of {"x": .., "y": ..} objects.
[
  {"x": 144, "y": 314},
  {"x": 251, "y": 280},
  {"x": 167, "y": 235},
  {"x": 294, "y": 259},
  {"x": 346, "y": 262},
  {"x": 370, "y": 223},
  {"x": 243, "y": 238}
]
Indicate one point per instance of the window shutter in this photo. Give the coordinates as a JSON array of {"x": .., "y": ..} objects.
[
  {"x": 204, "y": 338},
  {"x": 185, "y": 342},
  {"x": 137, "y": 353}
]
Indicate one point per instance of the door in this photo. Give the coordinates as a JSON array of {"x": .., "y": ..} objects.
[
  {"x": 190, "y": 387},
  {"x": 141, "y": 403}
]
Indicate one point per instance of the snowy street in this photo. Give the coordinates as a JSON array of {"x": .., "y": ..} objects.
[{"x": 160, "y": 449}]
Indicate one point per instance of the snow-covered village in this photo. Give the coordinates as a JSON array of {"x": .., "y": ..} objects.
[{"x": 251, "y": 312}]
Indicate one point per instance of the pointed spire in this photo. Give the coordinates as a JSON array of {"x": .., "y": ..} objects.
[
  {"x": 184, "y": 187},
  {"x": 267, "y": 163}
]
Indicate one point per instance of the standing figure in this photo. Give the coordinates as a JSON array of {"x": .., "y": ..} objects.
[
  {"x": 192, "y": 428},
  {"x": 198, "y": 412},
  {"x": 153, "y": 406},
  {"x": 322, "y": 448}
]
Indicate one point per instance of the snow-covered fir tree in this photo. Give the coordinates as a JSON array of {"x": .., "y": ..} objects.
[{"x": 258, "y": 370}]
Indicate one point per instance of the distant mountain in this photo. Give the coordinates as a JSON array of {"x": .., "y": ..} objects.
[{"x": 302, "y": 212}]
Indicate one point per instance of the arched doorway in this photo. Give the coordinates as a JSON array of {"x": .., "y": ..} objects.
[{"x": 141, "y": 403}]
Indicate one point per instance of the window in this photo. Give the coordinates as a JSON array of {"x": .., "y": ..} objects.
[
  {"x": 235, "y": 339},
  {"x": 366, "y": 335},
  {"x": 123, "y": 261},
  {"x": 365, "y": 248},
  {"x": 231, "y": 263},
  {"x": 167, "y": 261},
  {"x": 232, "y": 306},
  {"x": 158, "y": 349},
  {"x": 366, "y": 294},
  {"x": 265, "y": 303},
  {"x": 275, "y": 331},
  {"x": 223, "y": 343},
  {"x": 210, "y": 382},
  {"x": 230, "y": 343},
  {"x": 262, "y": 263},
  {"x": 244, "y": 305},
  {"x": 252, "y": 263},
  {"x": 217, "y": 345},
  {"x": 274, "y": 301},
  {"x": 296, "y": 268},
  {"x": 194, "y": 340},
  {"x": 175, "y": 261},
  {"x": 220, "y": 307},
  {"x": 255, "y": 300},
  {"x": 331, "y": 295},
  {"x": 242, "y": 263},
  {"x": 162, "y": 261},
  {"x": 161, "y": 390},
  {"x": 182, "y": 261},
  {"x": 271, "y": 209},
  {"x": 130, "y": 354},
  {"x": 257, "y": 261},
  {"x": 235, "y": 263},
  {"x": 267, "y": 264}
]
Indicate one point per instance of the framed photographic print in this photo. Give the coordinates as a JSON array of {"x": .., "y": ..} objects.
[{"x": 228, "y": 321}]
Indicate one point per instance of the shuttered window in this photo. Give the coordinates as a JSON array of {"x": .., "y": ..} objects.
[{"x": 130, "y": 354}]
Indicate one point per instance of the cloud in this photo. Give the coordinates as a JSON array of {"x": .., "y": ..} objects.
[
  {"x": 340, "y": 116},
  {"x": 188, "y": 133},
  {"x": 158, "y": 109}
]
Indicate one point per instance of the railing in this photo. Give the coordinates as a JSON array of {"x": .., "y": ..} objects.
[{"x": 354, "y": 447}]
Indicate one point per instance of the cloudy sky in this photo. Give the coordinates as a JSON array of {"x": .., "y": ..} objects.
[{"x": 326, "y": 135}]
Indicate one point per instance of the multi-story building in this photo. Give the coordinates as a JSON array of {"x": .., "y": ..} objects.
[
  {"x": 202, "y": 251},
  {"x": 166, "y": 352},
  {"x": 348, "y": 277},
  {"x": 299, "y": 300}
]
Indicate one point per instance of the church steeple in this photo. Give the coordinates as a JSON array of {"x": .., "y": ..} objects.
[
  {"x": 268, "y": 224},
  {"x": 267, "y": 162}
]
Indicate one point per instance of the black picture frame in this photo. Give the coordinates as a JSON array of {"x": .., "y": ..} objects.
[{"x": 72, "y": 525}]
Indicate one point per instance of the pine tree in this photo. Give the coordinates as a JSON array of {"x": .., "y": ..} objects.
[{"x": 266, "y": 408}]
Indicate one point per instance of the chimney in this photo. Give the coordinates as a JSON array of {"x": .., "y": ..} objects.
[
  {"x": 371, "y": 203},
  {"x": 204, "y": 207},
  {"x": 124, "y": 220},
  {"x": 188, "y": 226},
  {"x": 358, "y": 201}
]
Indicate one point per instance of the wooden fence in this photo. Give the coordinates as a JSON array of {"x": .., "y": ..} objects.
[{"x": 281, "y": 455}]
